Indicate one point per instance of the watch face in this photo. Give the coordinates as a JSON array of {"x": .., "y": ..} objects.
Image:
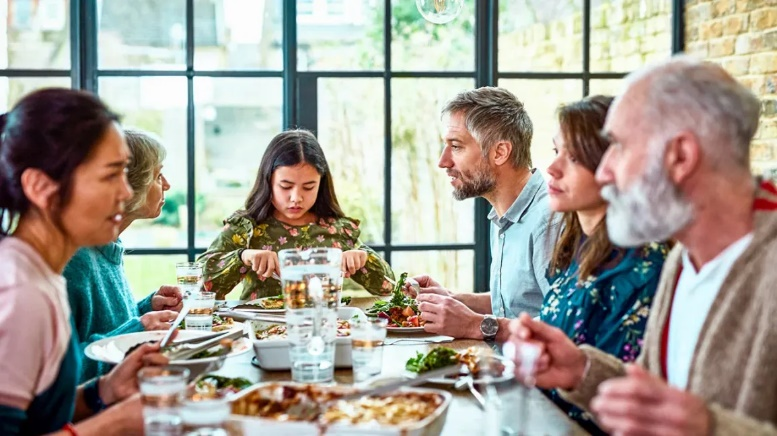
[{"x": 489, "y": 326}]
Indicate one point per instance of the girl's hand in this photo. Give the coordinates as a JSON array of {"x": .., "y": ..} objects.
[
  {"x": 353, "y": 260},
  {"x": 263, "y": 262}
]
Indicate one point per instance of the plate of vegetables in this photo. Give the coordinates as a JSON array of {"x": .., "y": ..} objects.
[
  {"x": 274, "y": 304},
  {"x": 400, "y": 310},
  {"x": 482, "y": 365}
]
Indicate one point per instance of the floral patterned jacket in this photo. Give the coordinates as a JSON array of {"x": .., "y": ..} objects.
[
  {"x": 223, "y": 269},
  {"x": 608, "y": 311}
]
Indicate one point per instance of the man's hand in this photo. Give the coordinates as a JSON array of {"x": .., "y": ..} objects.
[
  {"x": 427, "y": 285},
  {"x": 561, "y": 363},
  {"x": 643, "y": 404},
  {"x": 447, "y": 316},
  {"x": 167, "y": 298}
]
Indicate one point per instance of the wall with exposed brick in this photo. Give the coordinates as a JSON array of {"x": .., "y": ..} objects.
[{"x": 741, "y": 35}]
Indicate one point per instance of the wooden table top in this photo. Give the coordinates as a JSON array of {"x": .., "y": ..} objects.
[{"x": 465, "y": 417}]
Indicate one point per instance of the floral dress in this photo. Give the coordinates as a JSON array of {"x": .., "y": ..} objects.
[
  {"x": 608, "y": 311},
  {"x": 223, "y": 269}
]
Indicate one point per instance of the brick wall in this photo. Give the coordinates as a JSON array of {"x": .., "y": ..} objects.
[{"x": 741, "y": 35}]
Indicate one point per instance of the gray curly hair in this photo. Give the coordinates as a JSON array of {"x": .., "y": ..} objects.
[{"x": 148, "y": 153}]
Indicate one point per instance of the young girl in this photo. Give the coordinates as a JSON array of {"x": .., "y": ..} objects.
[
  {"x": 599, "y": 294},
  {"x": 292, "y": 205}
]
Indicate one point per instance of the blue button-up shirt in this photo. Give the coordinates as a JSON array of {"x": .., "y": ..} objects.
[{"x": 521, "y": 251}]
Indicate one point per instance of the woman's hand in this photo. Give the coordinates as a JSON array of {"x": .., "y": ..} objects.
[
  {"x": 159, "y": 320},
  {"x": 263, "y": 262},
  {"x": 122, "y": 381},
  {"x": 167, "y": 298},
  {"x": 353, "y": 260}
]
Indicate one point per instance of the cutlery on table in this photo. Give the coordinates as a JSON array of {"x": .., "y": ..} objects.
[{"x": 181, "y": 315}]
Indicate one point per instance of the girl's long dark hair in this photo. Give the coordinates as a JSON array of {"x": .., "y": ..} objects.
[
  {"x": 286, "y": 149},
  {"x": 52, "y": 130},
  {"x": 581, "y": 124}
]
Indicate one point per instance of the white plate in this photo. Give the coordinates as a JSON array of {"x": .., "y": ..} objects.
[
  {"x": 405, "y": 329},
  {"x": 112, "y": 350},
  {"x": 506, "y": 375}
]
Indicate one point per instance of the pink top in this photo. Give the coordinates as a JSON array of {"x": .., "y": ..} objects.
[{"x": 34, "y": 323}]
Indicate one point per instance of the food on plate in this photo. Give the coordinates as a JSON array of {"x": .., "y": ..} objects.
[
  {"x": 400, "y": 310},
  {"x": 214, "y": 386},
  {"x": 220, "y": 323},
  {"x": 276, "y": 402},
  {"x": 477, "y": 361},
  {"x": 278, "y": 331},
  {"x": 277, "y": 303},
  {"x": 223, "y": 348}
]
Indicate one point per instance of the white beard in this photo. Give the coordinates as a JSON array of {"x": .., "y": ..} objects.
[{"x": 653, "y": 209}]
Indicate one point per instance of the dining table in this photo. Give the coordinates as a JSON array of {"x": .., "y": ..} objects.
[{"x": 522, "y": 410}]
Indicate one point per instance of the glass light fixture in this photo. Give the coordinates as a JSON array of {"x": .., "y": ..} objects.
[{"x": 439, "y": 11}]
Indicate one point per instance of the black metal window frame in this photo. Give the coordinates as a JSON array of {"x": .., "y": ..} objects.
[{"x": 297, "y": 86}]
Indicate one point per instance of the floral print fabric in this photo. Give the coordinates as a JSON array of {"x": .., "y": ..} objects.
[
  {"x": 223, "y": 269},
  {"x": 608, "y": 311}
]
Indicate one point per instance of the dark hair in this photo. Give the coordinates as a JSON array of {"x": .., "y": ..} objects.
[
  {"x": 52, "y": 130},
  {"x": 291, "y": 148},
  {"x": 581, "y": 124},
  {"x": 494, "y": 114}
]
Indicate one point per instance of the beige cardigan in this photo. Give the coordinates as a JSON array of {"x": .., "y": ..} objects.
[{"x": 734, "y": 366}]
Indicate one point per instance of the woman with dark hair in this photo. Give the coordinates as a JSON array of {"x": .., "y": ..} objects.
[
  {"x": 62, "y": 186},
  {"x": 98, "y": 291},
  {"x": 599, "y": 294},
  {"x": 292, "y": 205}
]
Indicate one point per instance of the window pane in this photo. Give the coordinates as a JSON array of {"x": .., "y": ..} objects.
[
  {"x": 146, "y": 273},
  {"x": 611, "y": 87},
  {"x": 235, "y": 119},
  {"x": 418, "y": 45},
  {"x": 37, "y": 34},
  {"x": 453, "y": 269},
  {"x": 238, "y": 35},
  {"x": 542, "y": 98},
  {"x": 422, "y": 206},
  {"x": 541, "y": 35},
  {"x": 351, "y": 131},
  {"x": 158, "y": 105},
  {"x": 143, "y": 34},
  {"x": 331, "y": 36},
  {"x": 12, "y": 89},
  {"x": 626, "y": 35}
]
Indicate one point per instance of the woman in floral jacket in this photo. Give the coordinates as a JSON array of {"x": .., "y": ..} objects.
[
  {"x": 292, "y": 205},
  {"x": 600, "y": 294}
]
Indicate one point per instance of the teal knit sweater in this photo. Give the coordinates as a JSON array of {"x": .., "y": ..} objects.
[{"x": 101, "y": 300}]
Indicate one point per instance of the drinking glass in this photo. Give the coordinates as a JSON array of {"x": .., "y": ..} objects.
[
  {"x": 311, "y": 322},
  {"x": 161, "y": 391},
  {"x": 189, "y": 278},
  {"x": 367, "y": 338},
  {"x": 200, "y": 316},
  {"x": 205, "y": 416}
]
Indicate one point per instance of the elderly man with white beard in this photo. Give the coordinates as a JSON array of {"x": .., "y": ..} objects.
[{"x": 678, "y": 166}]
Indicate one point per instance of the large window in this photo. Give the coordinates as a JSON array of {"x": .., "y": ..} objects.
[{"x": 216, "y": 79}]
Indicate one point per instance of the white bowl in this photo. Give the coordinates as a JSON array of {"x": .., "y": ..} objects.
[
  {"x": 112, "y": 350},
  {"x": 273, "y": 354}
]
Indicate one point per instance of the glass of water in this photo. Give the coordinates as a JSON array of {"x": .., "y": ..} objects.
[
  {"x": 189, "y": 278},
  {"x": 205, "y": 416},
  {"x": 161, "y": 392},
  {"x": 311, "y": 322},
  {"x": 200, "y": 316},
  {"x": 367, "y": 338}
]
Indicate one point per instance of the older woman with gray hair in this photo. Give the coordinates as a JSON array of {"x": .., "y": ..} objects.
[{"x": 100, "y": 296}]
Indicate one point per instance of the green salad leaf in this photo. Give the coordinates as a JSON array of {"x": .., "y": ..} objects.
[{"x": 437, "y": 358}]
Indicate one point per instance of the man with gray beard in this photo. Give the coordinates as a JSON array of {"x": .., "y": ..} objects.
[
  {"x": 487, "y": 154},
  {"x": 678, "y": 167}
]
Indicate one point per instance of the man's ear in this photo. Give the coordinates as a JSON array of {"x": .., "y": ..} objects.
[
  {"x": 682, "y": 157},
  {"x": 39, "y": 189},
  {"x": 500, "y": 152}
]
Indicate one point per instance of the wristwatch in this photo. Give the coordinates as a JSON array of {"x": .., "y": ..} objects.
[{"x": 489, "y": 326}]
